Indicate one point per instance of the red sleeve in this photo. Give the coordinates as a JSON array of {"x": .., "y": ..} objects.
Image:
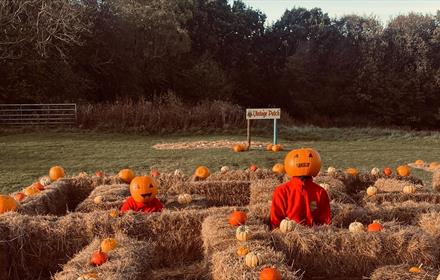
[
  {"x": 127, "y": 205},
  {"x": 278, "y": 209},
  {"x": 159, "y": 206},
  {"x": 324, "y": 209}
]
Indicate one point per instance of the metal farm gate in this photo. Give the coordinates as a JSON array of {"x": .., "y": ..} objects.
[{"x": 38, "y": 114}]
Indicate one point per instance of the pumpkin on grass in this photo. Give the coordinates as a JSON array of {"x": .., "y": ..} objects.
[
  {"x": 98, "y": 258},
  {"x": 237, "y": 218},
  {"x": 277, "y": 148},
  {"x": 108, "y": 244},
  {"x": 375, "y": 227},
  {"x": 7, "y": 203},
  {"x": 238, "y": 148},
  {"x": 56, "y": 172},
  {"x": 242, "y": 251},
  {"x": 253, "y": 260},
  {"x": 126, "y": 175},
  {"x": 202, "y": 172},
  {"x": 269, "y": 147},
  {"x": 270, "y": 273},
  {"x": 403, "y": 171},
  {"x": 242, "y": 233},
  {"x": 287, "y": 225}
]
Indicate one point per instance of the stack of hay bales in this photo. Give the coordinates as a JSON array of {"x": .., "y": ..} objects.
[
  {"x": 261, "y": 192},
  {"x": 331, "y": 252},
  {"x": 401, "y": 272},
  {"x": 131, "y": 259},
  {"x": 336, "y": 189},
  {"x": 112, "y": 197}
]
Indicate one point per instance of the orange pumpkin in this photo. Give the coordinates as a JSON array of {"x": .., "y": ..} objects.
[
  {"x": 31, "y": 190},
  {"x": 143, "y": 189},
  {"x": 374, "y": 227},
  {"x": 277, "y": 148},
  {"x": 238, "y": 148},
  {"x": 19, "y": 196},
  {"x": 403, "y": 170},
  {"x": 415, "y": 269},
  {"x": 56, "y": 172},
  {"x": 155, "y": 173},
  {"x": 126, "y": 175},
  {"x": 202, "y": 172},
  {"x": 237, "y": 218},
  {"x": 302, "y": 162},
  {"x": 278, "y": 169},
  {"x": 352, "y": 171},
  {"x": 38, "y": 186},
  {"x": 253, "y": 167},
  {"x": 242, "y": 251},
  {"x": 269, "y": 147},
  {"x": 99, "y": 173},
  {"x": 108, "y": 244},
  {"x": 7, "y": 203},
  {"x": 434, "y": 165},
  {"x": 387, "y": 171},
  {"x": 98, "y": 258},
  {"x": 419, "y": 162},
  {"x": 270, "y": 273}
]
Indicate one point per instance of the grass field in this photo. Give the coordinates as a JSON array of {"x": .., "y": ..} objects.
[{"x": 27, "y": 155}]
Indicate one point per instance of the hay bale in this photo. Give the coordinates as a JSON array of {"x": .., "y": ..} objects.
[
  {"x": 227, "y": 265},
  {"x": 113, "y": 197},
  {"x": 393, "y": 185},
  {"x": 401, "y": 272},
  {"x": 4, "y": 251},
  {"x": 436, "y": 181},
  {"x": 331, "y": 252},
  {"x": 166, "y": 181},
  {"x": 262, "y": 174},
  {"x": 343, "y": 214},
  {"x": 261, "y": 211},
  {"x": 430, "y": 223},
  {"x": 198, "y": 202},
  {"x": 194, "y": 271},
  {"x": 231, "y": 175},
  {"x": 261, "y": 191},
  {"x": 333, "y": 183},
  {"x": 224, "y": 193},
  {"x": 131, "y": 259},
  {"x": 401, "y": 197}
]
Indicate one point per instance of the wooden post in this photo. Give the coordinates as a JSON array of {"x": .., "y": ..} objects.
[
  {"x": 275, "y": 132},
  {"x": 249, "y": 134}
]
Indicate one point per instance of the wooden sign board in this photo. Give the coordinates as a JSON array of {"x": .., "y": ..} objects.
[{"x": 263, "y": 114}]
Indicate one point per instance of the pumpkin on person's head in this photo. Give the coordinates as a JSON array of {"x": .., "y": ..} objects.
[
  {"x": 56, "y": 172},
  {"x": 143, "y": 189},
  {"x": 126, "y": 175},
  {"x": 302, "y": 162},
  {"x": 7, "y": 203}
]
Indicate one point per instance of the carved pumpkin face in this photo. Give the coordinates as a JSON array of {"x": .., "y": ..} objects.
[
  {"x": 143, "y": 189},
  {"x": 302, "y": 162}
]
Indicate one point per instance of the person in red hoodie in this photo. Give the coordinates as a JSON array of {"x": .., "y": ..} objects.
[
  {"x": 143, "y": 190},
  {"x": 300, "y": 199}
]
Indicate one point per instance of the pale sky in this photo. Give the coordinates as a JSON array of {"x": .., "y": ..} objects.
[{"x": 383, "y": 9}]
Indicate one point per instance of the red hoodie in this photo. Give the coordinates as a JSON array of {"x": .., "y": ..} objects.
[
  {"x": 152, "y": 206},
  {"x": 304, "y": 202}
]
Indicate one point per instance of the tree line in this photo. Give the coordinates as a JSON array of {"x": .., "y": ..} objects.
[{"x": 347, "y": 70}]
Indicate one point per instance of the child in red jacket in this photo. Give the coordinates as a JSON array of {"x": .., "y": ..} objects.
[
  {"x": 300, "y": 199},
  {"x": 143, "y": 192}
]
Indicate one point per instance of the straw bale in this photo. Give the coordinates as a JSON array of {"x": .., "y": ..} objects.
[
  {"x": 113, "y": 197},
  {"x": 430, "y": 223},
  {"x": 394, "y": 185},
  {"x": 4, "y": 251},
  {"x": 131, "y": 259},
  {"x": 193, "y": 271},
  {"x": 436, "y": 181},
  {"x": 217, "y": 193},
  {"x": 262, "y": 174},
  {"x": 401, "y": 197},
  {"x": 198, "y": 202},
  {"x": 401, "y": 272},
  {"x": 227, "y": 265},
  {"x": 166, "y": 181},
  {"x": 261, "y": 211},
  {"x": 231, "y": 175},
  {"x": 343, "y": 214},
  {"x": 332, "y": 182},
  {"x": 331, "y": 252},
  {"x": 261, "y": 191}
]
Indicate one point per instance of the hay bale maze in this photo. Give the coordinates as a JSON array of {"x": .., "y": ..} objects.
[{"x": 53, "y": 234}]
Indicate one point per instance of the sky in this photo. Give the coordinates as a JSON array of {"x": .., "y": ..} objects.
[{"x": 383, "y": 9}]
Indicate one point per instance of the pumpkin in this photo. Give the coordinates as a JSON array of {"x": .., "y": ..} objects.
[
  {"x": 356, "y": 227},
  {"x": 56, "y": 173},
  {"x": 269, "y": 147},
  {"x": 374, "y": 227},
  {"x": 237, "y": 218},
  {"x": 331, "y": 171},
  {"x": 287, "y": 225},
  {"x": 202, "y": 172},
  {"x": 253, "y": 260},
  {"x": 277, "y": 148},
  {"x": 114, "y": 213},
  {"x": 375, "y": 171},
  {"x": 438, "y": 277},
  {"x": 253, "y": 167},
  {"x": 7, "y": 203},
  {"x": 83, "y": 174},
  {"x": 88, "y": 276},
  {"x": 126, "y": 175},
  {"x": 98, "y": 199},
  {"x": 419, "y": 162},
  {"x": 371, "y": 191},
  {"x": 178, "y": 173},
  {"x": 155, "y": 173},
  {"x": 242, "y": 251},
  {"x": 45, "y": 181},
  {"x": 238, "y": 148},
  {"x": 224, "y": 169},
  {"x": 302, "y": 162},
  {"x": 415, "y": 269},
  {"x": 403, "y": 171},
  {"x": 99, "y": 173},
  {"x": 270, "y": 273},
  {"x": 108, "y": 244},
  {"x": 143, "y": 189},
  {"x": 434, "y": 165},
  {"x": 38, "y": 186},
  {"x": 387, "y": 171},
  {"x": 409, "y": 189},
  {"x": 30, "y": 191},
  {"x": 278, "y": 169},
  {"x": 352, "y": 171},
  {"x": 98, "y": 258},
  {"x": 184, "y": 198},
  {"x": 19, "y": 196},
  {"x": 242, "y": 233}
]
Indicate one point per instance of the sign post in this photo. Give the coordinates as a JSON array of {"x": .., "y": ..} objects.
[{"x": 263, "y": 114}]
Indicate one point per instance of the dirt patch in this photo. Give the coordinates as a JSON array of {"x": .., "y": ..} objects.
[{"x": 200, "y": 145}]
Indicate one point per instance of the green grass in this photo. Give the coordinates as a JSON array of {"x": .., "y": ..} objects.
[{"x": 25, "y": 156}]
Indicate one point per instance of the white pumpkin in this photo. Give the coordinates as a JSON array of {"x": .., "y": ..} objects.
[
  {"x": 409, "y": 189},
  {"x": 356, "y": 227},
  {"x": 179, "y": 173},
  {"x": 371, "y": 191},
  {"x": 45, "y": 181},
  {"x": 224, "y": 169},
  {"x": 83, "y": 174},
  {"x": 331, "y": 171},
  {"x": 287, "y": 225},
  {"x": 253, "y": 260},
  {"x": 242, "y": 233},
  {"x": 98, "y": 199},
  {"x": 184, "y": 198},
  {"x": 438, "y": 277},
  {"x": 375, "y": 171},
  {"x": 325, "y": 186}
]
